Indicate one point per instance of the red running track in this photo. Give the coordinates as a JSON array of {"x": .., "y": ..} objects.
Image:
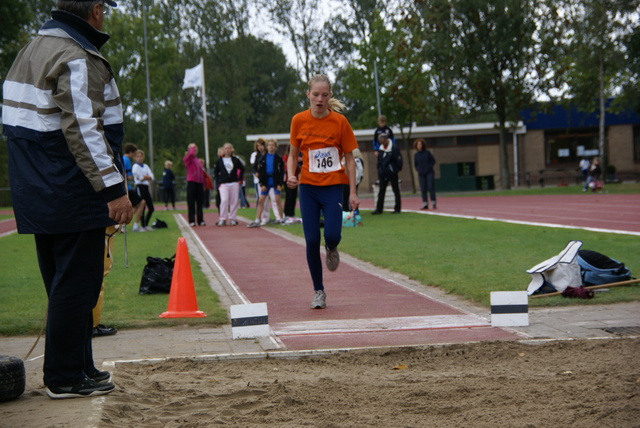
[
  {"x": 363, "y": 309},
  {"x": 607, "y": 212}
]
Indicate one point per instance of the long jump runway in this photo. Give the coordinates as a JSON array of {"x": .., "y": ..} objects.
[{"x": 363, "y": 308}]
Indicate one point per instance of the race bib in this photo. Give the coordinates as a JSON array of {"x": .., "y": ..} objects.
[{"x": 324, "y": 160}]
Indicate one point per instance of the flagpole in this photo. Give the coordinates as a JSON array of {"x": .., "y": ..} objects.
[
  {"x": 204, "y": 115},
  {"x": 146, "y": 69}
]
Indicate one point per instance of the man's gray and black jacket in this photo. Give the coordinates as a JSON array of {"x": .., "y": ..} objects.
[{"x": 62, "y": 116}]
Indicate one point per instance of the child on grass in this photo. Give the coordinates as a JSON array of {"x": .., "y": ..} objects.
[{"x": 271, "y": 176}]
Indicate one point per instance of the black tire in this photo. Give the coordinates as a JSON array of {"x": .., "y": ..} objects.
[{"x": 12, "y": 378}]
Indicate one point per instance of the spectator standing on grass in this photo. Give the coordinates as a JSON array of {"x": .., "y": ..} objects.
[
  {"x": 323, "y": 136},
  {"x": 144, "y": 177},
  {"x": 208, "y": 187},
  {"x": 216, "y": 185},
  {"x": 137, "y": 203},
  {"x": 271, "y": 176},
  {"x": 357, "y": 157},
  {"x": 584, "y": 169},
  {"x": 195, "y": 186},
  {"x": 424, "y": 162},
  {"x": 593, "y": 180},
  {"x": 229, "y": 172},
  {"x": 389, "y": 165},
  {"x": 77, "y": 121},
  {"x": 291, "y": 195},
  {"x": 260, "y": 148},
  {"x": 244, "y": 203},
  {"x": 168, "y": 177},
  {"x": 382, "y": 128}
]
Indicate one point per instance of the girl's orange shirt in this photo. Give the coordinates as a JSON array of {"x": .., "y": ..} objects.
[{"x": 322, "y": 143}]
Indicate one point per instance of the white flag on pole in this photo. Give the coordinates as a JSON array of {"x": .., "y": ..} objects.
[{"x": 193, "y": 77}]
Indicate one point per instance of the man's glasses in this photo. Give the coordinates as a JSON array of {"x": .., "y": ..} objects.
[{"x": 105, "y": 9}]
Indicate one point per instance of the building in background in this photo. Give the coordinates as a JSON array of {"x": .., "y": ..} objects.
[{"x": 548, "y": 148}]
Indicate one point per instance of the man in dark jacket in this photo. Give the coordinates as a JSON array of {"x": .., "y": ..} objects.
[
  {"x": 389, "y": 165},
  {"x": 63, "y": 121}
]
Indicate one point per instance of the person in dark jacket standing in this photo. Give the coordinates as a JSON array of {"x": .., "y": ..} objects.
[
  {"x": 63, "y": 122},
  {"x": 424, "y": 162},
  {"x": 382, "y": 128},
  {"x": 271, "y": 171},
  {"x": 168, "y": 177},
  {"x": 389, "y": 165}
]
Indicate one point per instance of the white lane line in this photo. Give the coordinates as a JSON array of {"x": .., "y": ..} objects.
[
  {"x": 528, "y": 223},
  {"x": 379, "y": 324}
]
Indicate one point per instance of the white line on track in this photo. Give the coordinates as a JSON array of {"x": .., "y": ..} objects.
[{"x": 528, "y": 223}]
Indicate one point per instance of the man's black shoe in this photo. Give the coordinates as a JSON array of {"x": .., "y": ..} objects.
[
  {"x": 86, "y": 388},
  {"x": 99, "y": 375},
  {"x": 396, "y": 212},
  {"x": 102, "y": 330},
  {"x": 376, "y": 212}
]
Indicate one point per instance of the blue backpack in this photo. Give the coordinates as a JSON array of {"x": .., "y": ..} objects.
[{"x": 597, "y": 269}]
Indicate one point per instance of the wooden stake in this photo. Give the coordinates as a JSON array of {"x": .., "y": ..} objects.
[{"x": 591, "y": 287}]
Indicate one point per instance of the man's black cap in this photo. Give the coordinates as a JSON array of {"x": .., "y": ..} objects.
[{"x": 109, "y": 2}]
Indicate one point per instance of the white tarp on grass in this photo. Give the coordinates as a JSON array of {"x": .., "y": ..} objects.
[{"x": 560, "y": 271}]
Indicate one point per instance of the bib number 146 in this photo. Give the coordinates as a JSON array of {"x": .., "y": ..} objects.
[{"x": 324, "y": 160}]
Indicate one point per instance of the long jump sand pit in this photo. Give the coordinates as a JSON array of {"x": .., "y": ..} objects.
[{"x": 578, "y": 383}]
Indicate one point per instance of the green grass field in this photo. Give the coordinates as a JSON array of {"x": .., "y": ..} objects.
[
  {"x": 23, "y": 301},
  {"x": 466, "y": 257}
]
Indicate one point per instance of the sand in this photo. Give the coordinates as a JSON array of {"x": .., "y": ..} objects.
[{"x": 580, "y": 383}]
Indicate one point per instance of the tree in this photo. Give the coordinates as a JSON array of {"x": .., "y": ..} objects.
[
  {"x": 301, "y": 22},
  {"x": 19, "y": 21},
  {"x": 595, "y": 52},
  {"x": 370, "y": 64},
  {"x": 125, "y": 52},
  {"x": 432, "y": 25},
  {"x": 422, "y": 69},
  {"x": 631, "y": 85},
  {"x": 502, "y": 49},
  {"x": 249, "y": 86}
]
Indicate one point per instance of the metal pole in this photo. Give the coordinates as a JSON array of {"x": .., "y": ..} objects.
[
  {"x": 601, "y": 126},
  {"x": 516, "y": 169},
  {"x": 375, "y": 71},
  {"x": 146, "y": 66},
  {"x": 204, "y": 115}
]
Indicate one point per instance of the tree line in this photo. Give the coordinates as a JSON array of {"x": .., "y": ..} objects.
[{"x": 427, "y": 61}]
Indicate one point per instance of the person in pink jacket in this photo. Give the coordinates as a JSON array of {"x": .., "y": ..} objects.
[{"x": 195, "y": 185}]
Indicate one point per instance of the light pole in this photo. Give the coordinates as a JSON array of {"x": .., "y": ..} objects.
[
  {"x": 375, "y": 71},
  {"x": 146, "y": 67}
]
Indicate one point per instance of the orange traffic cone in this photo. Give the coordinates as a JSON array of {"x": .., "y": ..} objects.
[{"x": 182, "y": 297}]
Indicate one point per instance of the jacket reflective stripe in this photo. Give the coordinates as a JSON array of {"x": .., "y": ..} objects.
[
  {"x": 113, "y": 106},
  {"x": 29, "y": 107},
  {"x": 88, "y": 124}
]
